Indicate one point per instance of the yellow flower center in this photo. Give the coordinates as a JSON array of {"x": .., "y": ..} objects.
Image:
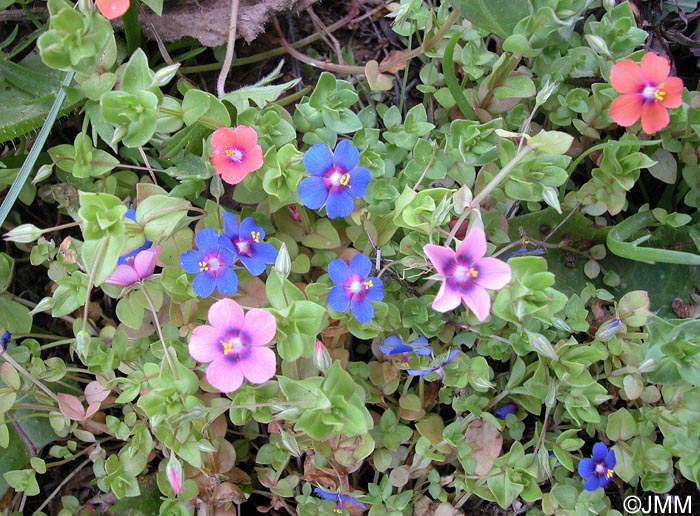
[
  {"x": 368, "y": 284},
  {"x": 234, "y": 154},
  {"x": 659, "y": 94},
  {"x": 610, "y": 473},
  {"x": 255, "y": 235},
  {"x": 203, "y": 266},
  {"x": 345, "y": 179}
]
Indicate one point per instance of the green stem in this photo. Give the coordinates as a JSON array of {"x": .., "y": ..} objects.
[
  {"x": 91, "y": 278},
  {"x": 132, "y": 29},
  {"x": 453, "y": 85},
  {"x": 160, "y": 332}
]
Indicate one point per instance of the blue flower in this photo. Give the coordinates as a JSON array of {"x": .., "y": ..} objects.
[
  {"x": 340, "y": 499},
  {"x": 129, "y": 257},
  {"x": 502, "y": 411},
  {"x": 354, "y": 289},
  {"x": 598, "y": 471},
  {"x": 335, "y": 179},
  {"x": 437, "y": 368},
  {"x": 211, "y": 263},
  {"x": 394, "y": 346},
  {"x": 247, "y": 243},
  {"x": 5, "y": 340}
]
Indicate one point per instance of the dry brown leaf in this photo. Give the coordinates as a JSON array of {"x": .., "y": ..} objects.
[{"x": 486, "y": 442}]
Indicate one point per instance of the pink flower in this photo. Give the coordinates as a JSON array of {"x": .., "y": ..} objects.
[
  {"x": 174, "y": 472},
  {"x": 467, "y": 274},
  {"x": 136, "y": 268},
  {"x": 235, "y": 153},
  {"x": 235, "y": 345},
  {"x": 112, "y": 9},
  {"x": 647, "y": 91}
]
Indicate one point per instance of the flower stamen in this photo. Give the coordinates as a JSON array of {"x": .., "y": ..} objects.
[
  {"x": 203, "y": 266},
  {"x": 659, "y": 94},
  {"x": 234, "y": 154},
  {"x": 255, "y": 235},
  {"x": 344, "y": 179}
]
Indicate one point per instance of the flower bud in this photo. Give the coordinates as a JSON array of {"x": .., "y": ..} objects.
[
  {"x": 174, "y": 473},
  {"x": 165, "y": 75},
  {"x": 290, "y": 443},
  {"x": 283, "y": 263},
  {"x": 598, "y": 44},
  {"x": 322, "y": 359},
  {"x": 608, "y": 330},
  {"x": 45, "y": 305},
  {"x": 44, "y": 171},
  {"x": 23, "y": 234}
]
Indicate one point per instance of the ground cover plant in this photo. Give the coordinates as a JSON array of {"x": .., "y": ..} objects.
[{"x": 430, "y": 258}]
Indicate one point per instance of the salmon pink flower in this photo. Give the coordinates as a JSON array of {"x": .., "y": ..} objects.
[
  {"x": 467, "y": 274},
  {"x": 235, "y": 153},
  {"x": 647, "y": 92},
  {"x": 112, "y": 9},
  {"x": 136, "y": 268},
  {"x": 235, "y": 345}
]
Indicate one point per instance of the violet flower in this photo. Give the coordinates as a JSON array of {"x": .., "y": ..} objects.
[
  {"x": 394, "y": 346},
  {"x": 211, "y": 263},
  {"x": 437, "y": 368},
  {"x": 247, "y": 241},
  {"x": 234, "y": 343},
  {"x": 339, "y": 498},
  {"x": 467, "y": 274},
  {"x": 137, "y": 268}
]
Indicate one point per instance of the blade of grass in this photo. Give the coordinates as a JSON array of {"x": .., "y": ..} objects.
[{"x": 27, "y": 166}]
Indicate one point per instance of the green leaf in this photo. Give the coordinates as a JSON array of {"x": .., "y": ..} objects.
[
  {"x": 14, "y": 317},
  {"x": 498, "y": 17},
  {"x": 324, "y": 236},
  {"x": 258, "y": 93},
  {"x": 160, "y": 215}
]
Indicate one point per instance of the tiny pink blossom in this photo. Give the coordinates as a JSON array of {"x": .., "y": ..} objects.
[
  {"x": 235, "y": 345},
  {"x": 174, "y": 472},
  {"x": 136, "y": 268},
  {"x": 467, "y": 274}
]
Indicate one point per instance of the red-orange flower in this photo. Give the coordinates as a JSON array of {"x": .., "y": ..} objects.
[
  {"x": 647, "y": 91},
  {"x": 235, "y": 153},
  {"x": 112, "y": 9}
]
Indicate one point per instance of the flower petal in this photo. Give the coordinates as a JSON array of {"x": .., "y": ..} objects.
[
  {"x": 359, "y": 179},
  {"x": 473, "y": 247},
  {"x": 313, "y": 192},
  {"x": 254, "y": 266},
  {"x": 112, "y": 9},
  {"x": 222, "y": 138},
  {"x": 586, "y": 467},
  {"x": 244, "y": 138},
  {"x": 447, "y": 298},
  {"x": 339, "y": 204},
  {"x": 232, "y": 173},
  {"x": 442, "y": 258},
  {"x": 654, "y": 68},
  {"x": 205, "y": 343},
  {"x": 260, "y": 326},
  {"x": 338, "y": 271},
  {"x": 259, "y": 365},
  {"x": 145, "y": 261},
  {"x": 318, "y": 159},
  {"x": 599, "y": 451},
  {"x": 361, "y": 266},
  {"x": 393, "y": 345},
  {"x": 346, "y": 155},
  {"x": 230, "y": 225},
  {"x": 338, "y": 299},
  {"x": 253, "y": 159},
  {"x": 206, "y": 240},
  {"x": 625, "y": 110},
  {"x": 248, "y": 227},
  {"x": 591, "y": 484},
  {"x": 654, "y": 117},
  {"x": 225, "y": 314},
  {"x": 673, "y": 86},
  {"x": 204, "y": 284},
  {"x": 227, "y": 282},
  {"x": 225, "y": 374},
  {"x": 478, "y": 301},
  {"x": 189, "y": 261},
  {"x": 625, "y": 77},
  {"x": 362, "y": 310},
  {"x": 610, "y": 459},
  {"x": 376, "y": 291},
  {"x": 493, "y": 273},
  {"x": 123, "y": 275}
]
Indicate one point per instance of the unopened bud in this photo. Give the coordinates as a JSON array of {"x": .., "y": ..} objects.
[
  {"x": 290, "y": 442},
  {"x": 44, "y": 171},
  {"x": 283, "y": 263},
  {"x": 165, "y": 75},
  {"x": 45, "y": 305},
  {"x": 82, "y": 343},
  {"x": 174, "y": 473},
  {"x": 23, "y": 234},
  {"x": 216, "y": 187},
  {"x": 608, "y": 330},
  {"x": 322, "y": 358},
  {"x": 598, "y": 44},
  {"x": 119, "y": 133}
]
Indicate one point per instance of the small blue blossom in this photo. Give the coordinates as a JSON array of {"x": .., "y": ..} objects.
[
  {"x": 354, "y": 288},
  {"x": 5, "y": 340},
  {"x": 335, "y": 179},
  {"x": 340, "y": 499},
  {"x": 394, "y": 346},
  {"x": 437, "y": 368},
  {"x": 502, "y": 411},
  {"x": 129, "y": 257},
  {"x": 525, "y": 251},
  {"x": 211, "y": 263},
  {"x": 247, "y": 241},
  {"x": 598, "y": 471}
]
